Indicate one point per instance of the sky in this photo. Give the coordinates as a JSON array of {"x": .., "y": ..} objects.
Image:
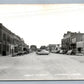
[{"x": 42, "y": 24}]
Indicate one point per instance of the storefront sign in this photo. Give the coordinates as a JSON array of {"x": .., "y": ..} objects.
[
  {"x": 80, "y": 44},
  {"x": 12, "y": 46},
  {"x": 74, "y": 40}
]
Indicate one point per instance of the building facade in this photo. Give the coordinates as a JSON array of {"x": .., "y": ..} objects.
[
  {"x": 80, "y": 46},
  {"x": 52, "y": 47},
  {"x": 9, "y": 42},
  {"x": 70, "y": 39},
  {"x": 66, "y": 41}
]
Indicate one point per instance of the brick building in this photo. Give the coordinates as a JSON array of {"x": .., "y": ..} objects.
[
  {"x": 70, "y": 39},
  {"x": 9, "y": 42},
  {"x": 80, "y": 46},
  {"x": 66, "y": 41}
]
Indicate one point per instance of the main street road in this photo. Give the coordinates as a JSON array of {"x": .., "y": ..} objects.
[{"x": 42, "y": 67}]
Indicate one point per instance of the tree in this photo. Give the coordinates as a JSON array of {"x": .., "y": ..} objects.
[
  {"x": 33, "y": 47},
  {"x": 43, "y": 47}
]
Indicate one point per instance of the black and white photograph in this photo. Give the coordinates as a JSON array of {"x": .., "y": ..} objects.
[{"x": 41, "y": 41}]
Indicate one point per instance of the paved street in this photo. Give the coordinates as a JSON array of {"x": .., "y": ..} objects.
[{"x": 42, "y": 67}]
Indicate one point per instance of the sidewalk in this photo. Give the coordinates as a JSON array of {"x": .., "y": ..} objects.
[
  {"x": 6, "y": 56},
  {"x": 80, "y": 54}
]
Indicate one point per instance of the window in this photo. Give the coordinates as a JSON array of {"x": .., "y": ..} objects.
[
  {"x": 4, "y": 36},
  {"x": 0, "y": 48},
  {"x": 4, "y": 47},
  {"x": 16, "y": 49},
  {"x": 8, "y": 38},
  {"x": 0, "y": 34},
  {"x": 8, "y": 48},
  {"x": 11, "y": 41}
]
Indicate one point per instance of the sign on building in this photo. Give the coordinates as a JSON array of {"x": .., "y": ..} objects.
[
  {"x": 74, "y": 40},
  {"x": 83, "y": 38},
  {"x": 80, "y": 44},
  {"x": 12, "y": 46}
]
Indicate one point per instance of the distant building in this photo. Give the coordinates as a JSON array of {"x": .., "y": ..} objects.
[
  {"x": 33, "y": 48},
  {"x": 58, "y": 46},
  {"x": 51, "y": 47},
  {"x": 9, "y": 42}
]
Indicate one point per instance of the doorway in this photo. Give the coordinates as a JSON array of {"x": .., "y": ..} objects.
[
  {"x": 4, "y": 50},
  {"x": 79, "y": 50}
]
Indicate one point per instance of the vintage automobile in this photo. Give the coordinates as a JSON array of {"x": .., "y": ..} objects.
[
  {"x": 42, "y": 52},
  {"x": 20, "y": 53},
  {"x": 70, "y": 52},
  {"x": 61, "y": 52},
  {"x": 55, "y": 51}
]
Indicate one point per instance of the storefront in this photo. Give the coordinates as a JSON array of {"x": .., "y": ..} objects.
[
  {"x": 0, "y": 48},
  {"x": 80, "y": 47}
]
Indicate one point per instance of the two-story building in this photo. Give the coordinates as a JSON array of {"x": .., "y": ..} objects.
[
  {"x": 70, "y": 39},
  {"x": 52, "y": 47},
  {"x": 80, "y": 46},
  {"x": 66, "y": 41},
  {"x": 9, "y": 42}
]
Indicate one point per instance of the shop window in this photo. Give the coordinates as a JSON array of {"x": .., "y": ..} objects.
[
  {"x": 8, "y": 39},
  {"x": 7, "y": 48},
  {"x": 11, "y": 41},
  {"x": 0, "y": 48},
  {"x": 4, "y": 37},
  {"x": 4, "y": 47},
  {"x": 16, "y": 49},
  {"x": 0, "y": 34}
]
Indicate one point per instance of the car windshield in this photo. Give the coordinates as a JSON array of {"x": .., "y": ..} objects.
[{"x": 44, "y": 50}]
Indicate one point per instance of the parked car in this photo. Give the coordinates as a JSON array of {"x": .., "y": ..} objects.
[
  {"x": 24, "y": 52},
  {"x": 14, "y": 54},
  {"x": 42, "y": 52},
  {"x": 70, "y": 52},
  {"x": 64, "y": 51},
  {"x": 55, "y": 51},
  {"x": 20, "y": 53},
  {"x": 61, "y": 51},
  {"x": 38, "y": 50}
]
